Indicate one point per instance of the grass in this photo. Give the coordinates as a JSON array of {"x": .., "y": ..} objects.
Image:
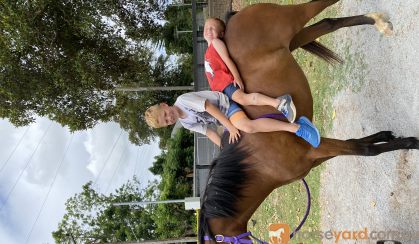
[{"x": 288, "y": 204}]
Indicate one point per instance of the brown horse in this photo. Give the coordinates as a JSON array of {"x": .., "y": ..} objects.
[{"x": 260, "y": 39}]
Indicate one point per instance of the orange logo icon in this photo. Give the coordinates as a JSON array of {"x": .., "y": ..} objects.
[{"x": 279, "y": 233}]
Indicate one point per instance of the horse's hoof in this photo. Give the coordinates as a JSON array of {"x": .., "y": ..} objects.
[
  {"x": 385, "y": 136},
  {"x": 382, "y": 23}
]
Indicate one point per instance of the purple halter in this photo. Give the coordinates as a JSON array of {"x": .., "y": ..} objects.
[
  {"x": 235, "y": 239},
  {"x": 238, "y": 239}
]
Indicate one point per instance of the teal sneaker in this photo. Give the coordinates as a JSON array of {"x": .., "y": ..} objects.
[
  {"x": 308, "y": 131},
  {"x": 287, "y": 108}
]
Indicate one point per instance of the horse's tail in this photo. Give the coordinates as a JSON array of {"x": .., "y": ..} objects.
[{"x": 322, "y": 52}]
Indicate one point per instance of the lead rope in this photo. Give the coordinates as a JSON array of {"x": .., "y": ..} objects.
[
  {"x": 307, "y": 210},
  {"x": 277, "y": 117},
  {"x": 258, "y": 240}
]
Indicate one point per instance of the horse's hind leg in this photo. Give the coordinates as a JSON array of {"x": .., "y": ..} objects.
[
  {"x": 325, "y": 26},
  {"x": 382, "y": 136},
  {"x": 306, "y": 11}
]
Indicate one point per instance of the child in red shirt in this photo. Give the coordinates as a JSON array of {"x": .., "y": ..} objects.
[{"x": 223, "y": 76}]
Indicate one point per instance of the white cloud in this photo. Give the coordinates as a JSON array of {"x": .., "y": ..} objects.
[
  {"x": 49, "y": 155},
  {"x": 6, "y": 236},
  {"x": 104, "y": 144},
  {"x": 85, "y": 158}
]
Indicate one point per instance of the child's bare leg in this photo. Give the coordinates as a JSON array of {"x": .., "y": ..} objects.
[
  {"x": 264, "y": 125},
  {"x": 240, "y": 97},
  {"x": 283, "y": 103},
  {"x": 303, "y": 128}
]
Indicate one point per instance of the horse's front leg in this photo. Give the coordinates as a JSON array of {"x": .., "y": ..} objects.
[
  {"x": 382, "y": 136},
  {"x": 325, "y": 26}
]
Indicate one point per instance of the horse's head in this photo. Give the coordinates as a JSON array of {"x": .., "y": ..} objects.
[{"x": 228, "y": 176}]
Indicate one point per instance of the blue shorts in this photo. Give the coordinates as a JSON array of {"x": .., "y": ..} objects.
[
  {"x": 234, "y": 107},
  {"x": 229, "y": 90}
]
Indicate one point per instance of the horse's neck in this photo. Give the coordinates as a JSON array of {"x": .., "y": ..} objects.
[
  {"x": 253, "y": 196},
  {"x": 283, "y": 163},
  {"x": 270, "y": 170}
]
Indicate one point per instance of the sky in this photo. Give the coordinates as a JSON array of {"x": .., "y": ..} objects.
[{"x": 44, "y": 164}]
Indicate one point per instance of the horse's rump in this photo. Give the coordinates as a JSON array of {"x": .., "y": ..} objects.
[{"x": 273, "y": 67}]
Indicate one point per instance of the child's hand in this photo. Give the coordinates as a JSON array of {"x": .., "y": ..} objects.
[
  {"x": 234, "y": 135},
  {"x": 239, "y": 82}
]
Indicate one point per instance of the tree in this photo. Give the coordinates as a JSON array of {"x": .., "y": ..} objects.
[
  {"x": 173, "y": 35},
  {"x": 173, "y": 220},
  {"x": 61, "y": 59},
  {"x": 91, "y": 217},
  {"x": 131, "y": 106},
  {"x": 157, "y": 168}
]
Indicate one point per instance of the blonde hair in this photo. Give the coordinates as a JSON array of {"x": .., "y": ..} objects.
[
  {"x": 151, "y": 115},
  {"x": 221, "y": 23}
]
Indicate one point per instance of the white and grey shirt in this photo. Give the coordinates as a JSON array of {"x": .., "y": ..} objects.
[{"x": 193, "y": 105}]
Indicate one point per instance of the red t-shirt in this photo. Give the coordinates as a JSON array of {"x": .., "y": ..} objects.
[{"x": 218, "y": 75}]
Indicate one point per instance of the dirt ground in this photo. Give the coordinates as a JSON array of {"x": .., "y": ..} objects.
[{"x": 378, "y": 193}]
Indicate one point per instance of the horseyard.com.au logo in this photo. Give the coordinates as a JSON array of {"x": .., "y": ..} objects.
[{"x": 280, "y": 234}]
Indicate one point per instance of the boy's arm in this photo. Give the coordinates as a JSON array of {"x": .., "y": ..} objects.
[
  {"x": 221, "y": 49},
  {"x": 217, "y": 114},
  {"x": 214, "y": 137}
]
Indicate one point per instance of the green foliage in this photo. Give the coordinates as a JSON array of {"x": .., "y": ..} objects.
[
  {"x": 91, "y": 218},
  {"x": 130, "y": 107},
  {"x": 60, "y": 59},
  {"x": 157, "y": 168},
  {"x": 176, "y": 41},
  {"x": 63, "y": 59},
  {"x": 173, "y": 165}
]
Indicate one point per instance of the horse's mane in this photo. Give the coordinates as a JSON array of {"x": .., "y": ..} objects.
[{"x": 227, "y": 177}]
